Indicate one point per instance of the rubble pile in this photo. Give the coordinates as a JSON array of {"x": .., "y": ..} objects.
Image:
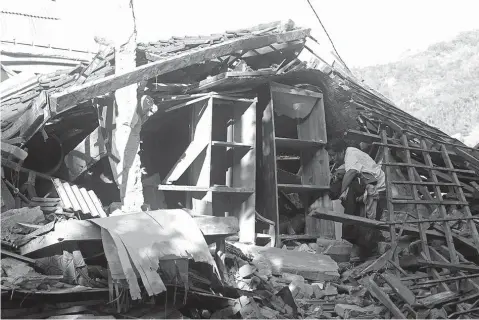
[{"x": 216, "y": 169}]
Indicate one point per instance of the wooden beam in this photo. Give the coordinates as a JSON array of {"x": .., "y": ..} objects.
[
  {"x": 376, "y": 292},
  {"x": 69, "y": 98},
  {"x": 339, "y": 217},
  {"x": 468, "y": 157}
]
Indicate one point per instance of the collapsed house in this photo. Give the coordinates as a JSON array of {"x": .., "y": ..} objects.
[{"x": 237, "y": 220}]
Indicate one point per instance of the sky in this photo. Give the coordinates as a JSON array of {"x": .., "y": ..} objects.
[{"x": 365, "y": 32}]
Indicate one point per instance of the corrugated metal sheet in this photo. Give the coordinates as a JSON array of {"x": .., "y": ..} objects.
[{"x": 78, "y": 199}]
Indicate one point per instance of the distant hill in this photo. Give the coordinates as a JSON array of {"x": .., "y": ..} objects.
[{"x": 439, "y": 85}]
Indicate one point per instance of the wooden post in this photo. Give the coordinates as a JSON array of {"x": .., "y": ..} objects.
[{"x": 126, "y": 137}]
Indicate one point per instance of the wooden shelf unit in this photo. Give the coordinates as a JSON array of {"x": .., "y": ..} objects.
[
  {"x": 220, "y": 162},
  {"x": 300, "y": 138}
]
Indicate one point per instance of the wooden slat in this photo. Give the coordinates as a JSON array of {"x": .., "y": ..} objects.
[
  {"x": 91, "y": 206},
  {"x": 297, "y": 144},
  {"x": 462, "y": 197},
  {"x": 402, "y": 147},
  {"x": 345, "y": 218},
  {"x": 376, "y": 291},
  {"x": 67, "y": 99},
  {"x": 442, "y": 208},
  {"x": 83, "y": 205},
  {"x": 399, "y": 164},
  {"x": 71, "y": 196},
  {"x": 227, "y": 144},
  {"x": 97, "y": 203},
  {"x": 421, "y": 226},
  {"x": 439, "y": 257},
  {"x": 66, "y": 203},
  {"x": 218, "y": 189},
  {"x": 300, "y": 188},
  {"x": 467, "y": 157},
  {"x": 427, "y": 202},
  {"x": 389, "y": 196},
  {"x": 425, "y": 183}
]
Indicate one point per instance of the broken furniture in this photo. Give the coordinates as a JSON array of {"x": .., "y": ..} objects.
[
  {"x": 220, "y": 160},
  {"x": 294, "y": 160}
]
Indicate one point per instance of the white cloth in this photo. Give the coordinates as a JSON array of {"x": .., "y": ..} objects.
[{"x": 362, "y": 162}]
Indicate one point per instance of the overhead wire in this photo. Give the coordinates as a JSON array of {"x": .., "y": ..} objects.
[{"x": 327, "y": 34}]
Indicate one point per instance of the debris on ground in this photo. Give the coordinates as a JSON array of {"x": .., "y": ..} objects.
[{"x": 237, "y": 219}]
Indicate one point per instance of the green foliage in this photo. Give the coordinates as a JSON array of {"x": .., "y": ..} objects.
[{"x": 440, "y": 86}]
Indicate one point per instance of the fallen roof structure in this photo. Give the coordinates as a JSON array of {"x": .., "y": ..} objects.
[{"x": 234, "y": 130}]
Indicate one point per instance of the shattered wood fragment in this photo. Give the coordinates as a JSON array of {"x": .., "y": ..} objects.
[
  {"x": 65, "y": 232},
  {"x": 348, "y": 311},
  {"x": 437, "y": 299},
  {"x": 377, "y": 292},
  {"x": 40, "y": 231},
  {"x": 400, "y": 289},
  {"x": 379, "y": 263}
]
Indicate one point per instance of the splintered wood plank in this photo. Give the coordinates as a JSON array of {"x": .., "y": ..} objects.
[
  {"x": 69, "y": 231},
  {"x": 400, "y": 289},
  {"x": 191, "y": 153},
  {"x": 437, "y": 299},
  {"x": 67, "y": 99},
  {"x": 376, "y": 292}
]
